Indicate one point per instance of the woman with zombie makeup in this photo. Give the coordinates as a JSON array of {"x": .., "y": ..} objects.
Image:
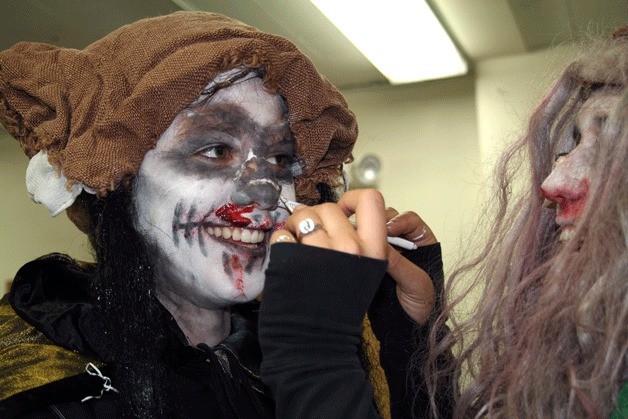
[
  {"x": 548, "y": 337},
  {"x": 169, "y": 142}
]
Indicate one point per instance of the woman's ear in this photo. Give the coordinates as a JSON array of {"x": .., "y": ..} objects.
[{"x": 80, "y": 212}]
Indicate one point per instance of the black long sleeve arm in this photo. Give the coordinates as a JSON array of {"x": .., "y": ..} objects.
[
  {"x": 309, "y": 329},
  {"x": 404, "y": 344}
]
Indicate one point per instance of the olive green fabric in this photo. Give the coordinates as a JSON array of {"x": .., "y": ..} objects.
[
  {"x": 28, "y": 359},
  {"x": 371, "y": 347}
]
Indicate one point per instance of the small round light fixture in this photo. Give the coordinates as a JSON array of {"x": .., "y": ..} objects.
[{"x": 366, "y": 172}]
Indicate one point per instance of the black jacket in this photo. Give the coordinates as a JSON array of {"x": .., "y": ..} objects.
[{"x": 48, "y": 342}]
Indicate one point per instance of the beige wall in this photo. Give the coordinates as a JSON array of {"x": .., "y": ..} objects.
[
  {"x": 426, "y": 138},
  {"x": 26, "y": 229},
  {"x": 507, "y": 90},
  {"x": 432, "y": 139}
]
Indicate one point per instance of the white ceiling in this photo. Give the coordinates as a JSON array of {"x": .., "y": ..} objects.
[{"x": 481, "y": 28}]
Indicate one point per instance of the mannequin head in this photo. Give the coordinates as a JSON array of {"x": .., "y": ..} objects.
[{"x": 547, "y": 337}]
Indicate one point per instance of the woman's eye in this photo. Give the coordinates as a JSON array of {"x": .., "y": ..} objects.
[
  {"x": 281, "y": 160},
  {"x": 217, "y": 152},
  {"x": 559, "y": 155}
]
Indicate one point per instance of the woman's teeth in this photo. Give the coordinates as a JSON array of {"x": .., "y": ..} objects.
[
  {"x": 566, "y": 234},
  {"x": 243, "y": 235}
]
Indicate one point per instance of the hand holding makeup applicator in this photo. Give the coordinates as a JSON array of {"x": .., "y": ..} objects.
[{"x": 395, "y": 241}]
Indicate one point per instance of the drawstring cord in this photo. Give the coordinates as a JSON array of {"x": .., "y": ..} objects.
[{"x": 93, "y": 370}]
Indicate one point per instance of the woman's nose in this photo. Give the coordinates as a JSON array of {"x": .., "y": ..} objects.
[
  {"x": 256, "y": 184},
  {"x": 562, "y": 186}
]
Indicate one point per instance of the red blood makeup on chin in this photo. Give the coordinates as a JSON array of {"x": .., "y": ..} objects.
[
  {"x": 232, "y": 214},
  {"x": 236, "y": 272}
]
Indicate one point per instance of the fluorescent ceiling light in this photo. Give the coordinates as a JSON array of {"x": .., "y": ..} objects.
[{"x": 403, "y": 39}]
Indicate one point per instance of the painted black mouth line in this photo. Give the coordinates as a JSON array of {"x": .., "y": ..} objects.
[{"x": 188, "y": 227}]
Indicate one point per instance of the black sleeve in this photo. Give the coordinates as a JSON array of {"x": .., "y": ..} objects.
[
  {"x": 403, "y": 343},
  {"x": 310, "y": 326}
]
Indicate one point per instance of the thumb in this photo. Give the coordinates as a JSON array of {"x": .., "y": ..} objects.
[{"x": 414, "y": 286}]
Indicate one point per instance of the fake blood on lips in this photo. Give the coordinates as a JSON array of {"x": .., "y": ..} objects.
[{"x": 232, "y": 214}]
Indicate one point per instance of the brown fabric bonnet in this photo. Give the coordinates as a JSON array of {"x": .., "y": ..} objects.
[{"x": 97, "y": 111}]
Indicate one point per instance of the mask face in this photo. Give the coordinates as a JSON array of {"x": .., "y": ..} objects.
[
  {"x": 206, "y": 196},
  {"x": 568, "y": 183}
]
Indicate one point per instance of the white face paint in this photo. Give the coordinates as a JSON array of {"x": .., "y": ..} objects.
[
  {"x": 568, "y": 183},
  {"x": 206, "y": 197}
]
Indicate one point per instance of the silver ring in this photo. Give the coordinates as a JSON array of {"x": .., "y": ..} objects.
[
  {"x": 308, "y": 226},
  {"x": 421, "y": 235}
]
